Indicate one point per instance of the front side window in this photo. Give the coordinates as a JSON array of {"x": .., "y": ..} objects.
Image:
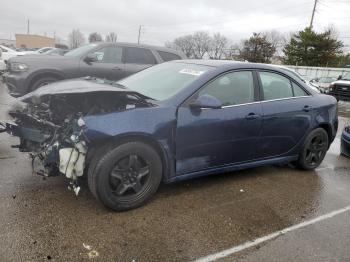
[
  {"x": 111, "y": 54},
  {"x": 78, "y": 52},
  {"x": 232, "y": 89},
  {"x": 135, "y": 55},
  {"x": 275, "y": 86}
]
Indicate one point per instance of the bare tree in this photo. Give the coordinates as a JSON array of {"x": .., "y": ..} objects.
[
  {"x": 111, "y": 37},
  {"x": 76, "y": 39},
  {"x": 95, "y": 37},
  {"x": 217, "y": 46},
  {"x": 201, "y": 43},
  {"x": 277, "y": 40},
  {"x": 183, "y": 43}
]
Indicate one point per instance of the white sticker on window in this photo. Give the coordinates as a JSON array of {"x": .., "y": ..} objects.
[{"x": 191, "y": 72}]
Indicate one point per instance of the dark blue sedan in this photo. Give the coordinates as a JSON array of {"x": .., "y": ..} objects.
[{"x": 171, "y": 122}]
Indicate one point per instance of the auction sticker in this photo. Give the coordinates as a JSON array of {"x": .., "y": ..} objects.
[{"x": 191, "y": 72}]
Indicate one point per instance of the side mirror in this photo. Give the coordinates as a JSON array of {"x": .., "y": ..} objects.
[
  {"x": 90, "y": 58},
  {"x": 206, "y": 101},
  {"x": 340, "y": 77}
]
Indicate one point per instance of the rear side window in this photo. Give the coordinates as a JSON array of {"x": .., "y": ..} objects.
[
  {"x": 275, "y": 86},
  {"x": 166, "y": 56},
  {"x": 135, "y": 55}
]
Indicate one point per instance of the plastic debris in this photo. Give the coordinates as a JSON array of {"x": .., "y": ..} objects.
[{"x": 88, "y": 247}]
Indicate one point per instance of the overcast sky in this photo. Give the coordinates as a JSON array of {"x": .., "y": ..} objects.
[{"x": 164, "y": 20}]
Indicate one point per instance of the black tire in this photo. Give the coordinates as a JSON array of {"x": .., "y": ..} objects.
[
  {"x": 126, "y": 176},
  {"x": 314, "y": 149},
  {"x": 42, "y": 82}
]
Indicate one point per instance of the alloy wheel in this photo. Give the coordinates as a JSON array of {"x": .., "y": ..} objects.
[{"x": 129, "y": 176}]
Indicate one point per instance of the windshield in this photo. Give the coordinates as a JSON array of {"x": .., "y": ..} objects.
[
  {"x": 165, "y": 80},
  {"x": 78, "y": 52},
  {"x": 346, "y": 76}
]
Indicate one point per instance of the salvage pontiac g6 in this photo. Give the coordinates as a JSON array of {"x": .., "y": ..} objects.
[{"x": 171, "y": 122}]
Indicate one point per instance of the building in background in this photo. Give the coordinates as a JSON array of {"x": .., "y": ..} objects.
[{"x": 33, "y": 41}]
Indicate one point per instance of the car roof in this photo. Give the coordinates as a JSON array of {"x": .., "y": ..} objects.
[
  {"x": 158, "y": 48},
  {"x": 232, "y": 64}
]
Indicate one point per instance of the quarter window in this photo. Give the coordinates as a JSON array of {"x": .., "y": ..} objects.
[
  {"x": 275, "y": 86},
  {"x": 232, "y": 89},
  {"x": 298, "y": 91},
  {"x": 135, "y": 55},
  {"x": 111, "y": 54},
  {"x": 166, "y": 56}
]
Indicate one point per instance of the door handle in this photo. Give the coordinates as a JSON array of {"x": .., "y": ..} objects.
[
  {"x": 307, "y": 108},
  {"x": 252, "y": 116},
  {"x": 116, "y": 68}
]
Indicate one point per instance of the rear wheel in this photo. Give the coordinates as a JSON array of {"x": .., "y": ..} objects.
[
  {"x": 126, "y": 176},
  {"x": 314, "y": 150}
]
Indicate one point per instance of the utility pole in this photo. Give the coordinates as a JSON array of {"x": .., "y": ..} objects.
[
  {"x": 313, "y": 14},
  {"x": 28, "y": 27},
  {"x": 138, "y": 39}
]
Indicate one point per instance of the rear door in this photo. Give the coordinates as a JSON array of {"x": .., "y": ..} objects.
[
  {"x": 136, "y": 59},
  {"x": 108, "y": 65},
  {"x": 287, "y": 114}
]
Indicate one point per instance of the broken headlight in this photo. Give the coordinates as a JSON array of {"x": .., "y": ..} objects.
[{"x": 18, "y": 67}]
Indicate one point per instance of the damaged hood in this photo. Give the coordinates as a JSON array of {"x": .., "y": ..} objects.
[{"x": 80, "y": 86}]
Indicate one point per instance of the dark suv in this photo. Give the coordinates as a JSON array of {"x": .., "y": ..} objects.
[
  {"x": 111, "y": 61},
  {"x": 340, "y": 89}
]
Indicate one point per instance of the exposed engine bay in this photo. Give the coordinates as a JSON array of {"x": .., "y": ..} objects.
[{"x": 50, "y": 124}]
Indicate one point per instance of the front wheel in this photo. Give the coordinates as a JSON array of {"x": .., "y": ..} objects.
[
  {"x": 126, "y": 176},
  {"x": 314, "y": 149},
  {"x": 43, "y": 82}
]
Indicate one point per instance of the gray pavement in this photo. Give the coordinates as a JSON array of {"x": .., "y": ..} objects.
[{"x": 41, "y": 220}]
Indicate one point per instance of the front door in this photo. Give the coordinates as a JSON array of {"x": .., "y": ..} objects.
[
  {"x": 287, "y": 114},
  {"x": 108, "y": 65},
  {"x": 209, "y": 138}
]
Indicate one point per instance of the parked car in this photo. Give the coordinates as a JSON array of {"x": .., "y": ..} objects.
[
  {"x": 174, "y": 121},
  {"x": 7, "y": 53},
  {"x": 111, "y": 61},
  {"x": 340, "y": 89},
  {"x": 323, "y": 83}
]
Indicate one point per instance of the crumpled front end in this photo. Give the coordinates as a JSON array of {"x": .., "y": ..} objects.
[{"x": 52, "y": 130}]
